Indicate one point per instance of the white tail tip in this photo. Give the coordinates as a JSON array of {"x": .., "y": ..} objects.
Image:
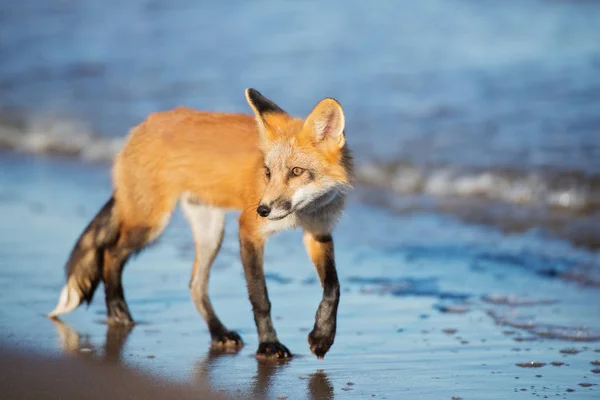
[{"x": 68, "y": 301}]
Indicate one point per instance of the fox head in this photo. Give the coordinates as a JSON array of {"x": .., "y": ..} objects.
[{"x": 307, "y": 164}]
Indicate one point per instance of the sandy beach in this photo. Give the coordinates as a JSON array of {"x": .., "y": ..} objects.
[
  {"x": 32, "y": 376},
  {"x": 431, "y": 308},
  {"x": 468, "y": 254}
]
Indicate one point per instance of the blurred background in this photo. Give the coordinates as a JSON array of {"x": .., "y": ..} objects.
[
  {"x": 488, "y": 110},
  {"x": 476, "y": 128}
]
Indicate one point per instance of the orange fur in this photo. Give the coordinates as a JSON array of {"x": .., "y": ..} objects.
[
  {"x": 213, "y": 156},
  {"x": 317, "y": 251},
  {"x": 216, "y": 157},
  {"x": 280, "y": 172}
]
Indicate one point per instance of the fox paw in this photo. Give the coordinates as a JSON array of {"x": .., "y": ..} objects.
[
  {"x": 118, "y": 313},
  {"x": 273, "y": 350},
  {"x": 320, "y": 342},
  {"x": 227, "y": 340}
]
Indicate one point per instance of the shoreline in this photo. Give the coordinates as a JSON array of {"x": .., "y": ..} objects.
[
  {"x": 384, "y": 188},
  {"x": 430, "y": 307}
]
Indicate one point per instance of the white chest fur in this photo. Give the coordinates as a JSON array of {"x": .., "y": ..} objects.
[{"x": 271, "y": 227}]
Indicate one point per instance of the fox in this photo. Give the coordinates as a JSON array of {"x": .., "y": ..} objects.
[{"x": 278, "y": 171}]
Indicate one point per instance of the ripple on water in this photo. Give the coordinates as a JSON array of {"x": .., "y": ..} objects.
[
  {"x": 511, "y": 319},
  {"x": 576, "y": 334},
  {"x": 452, "y": 308},
  {"x": 532, "y": 364},
  {"x": 409, "y": 287},
  {"x": 547, "y": 331},
  {"x": 570, "y": 350},
  {"x": 514, "y": 300},
  {"x": 587, "y": 384}
]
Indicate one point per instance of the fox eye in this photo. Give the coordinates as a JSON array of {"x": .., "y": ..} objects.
[
  {"x": 267, "y": 172},
  {"x": 297, "y": 171}
]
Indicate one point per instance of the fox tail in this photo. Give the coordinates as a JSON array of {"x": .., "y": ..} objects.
[{"x": 84, "y": 267}]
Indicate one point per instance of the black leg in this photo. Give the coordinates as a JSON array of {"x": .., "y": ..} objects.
[
  {"x": 116, "y": 306},
  {"x": 115, "y": 258},
  {"x": 320, "y": 249},
  {"x": 252, "y": 258}
]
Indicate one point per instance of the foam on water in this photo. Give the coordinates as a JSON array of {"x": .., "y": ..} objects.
[
  {"x": 54, "y": 135},
  {"x": 567, "y": 203},
  {"x": 59, "y": 135},
  {"x": 552, "y": 201},
  {"x": 515, "y": 301},
  {"x": 557, "y": 189}
]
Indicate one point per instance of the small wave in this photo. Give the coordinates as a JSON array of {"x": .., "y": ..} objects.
[
  {"x": 510, "y": 199},
  {"x": 46, "y": 134},
  {"x": 543, "y": 330},
  {"x": 427, "y": 287},
  {"x": 54, "y": 135},
  {"x": 557, "y": 189},
  {"x": 515, "y": 301}
]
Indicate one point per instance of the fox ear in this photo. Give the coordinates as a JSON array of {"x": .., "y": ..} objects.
[
  {"x": 326, "y": 122},
  {"x": 263, "y": 108},
  {"x": 260, "y": 104}
]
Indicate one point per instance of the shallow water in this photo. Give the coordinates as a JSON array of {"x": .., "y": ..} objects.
[
  {"x": 486, "y": 112},
  {"x": 450, "y": 100},
  {"x": 500, "y": 84},
  {"x": 418, "y": 316}
]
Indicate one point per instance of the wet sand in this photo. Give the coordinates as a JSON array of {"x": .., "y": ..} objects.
[
  {"x": 431, "y": 308},
  {"x": 30, "y": 376}
]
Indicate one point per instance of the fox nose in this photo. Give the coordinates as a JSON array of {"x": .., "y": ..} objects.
[{"x": 263, "y": 210}]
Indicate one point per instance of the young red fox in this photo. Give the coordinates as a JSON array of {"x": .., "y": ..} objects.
[{"x": 292, "y": 172}]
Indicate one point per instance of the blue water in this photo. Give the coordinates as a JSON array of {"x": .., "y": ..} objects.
[
  {"x": 494, "y": 102},
  {"x": 406, "y": 282},
  {"x": 492, "y": 84}
]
